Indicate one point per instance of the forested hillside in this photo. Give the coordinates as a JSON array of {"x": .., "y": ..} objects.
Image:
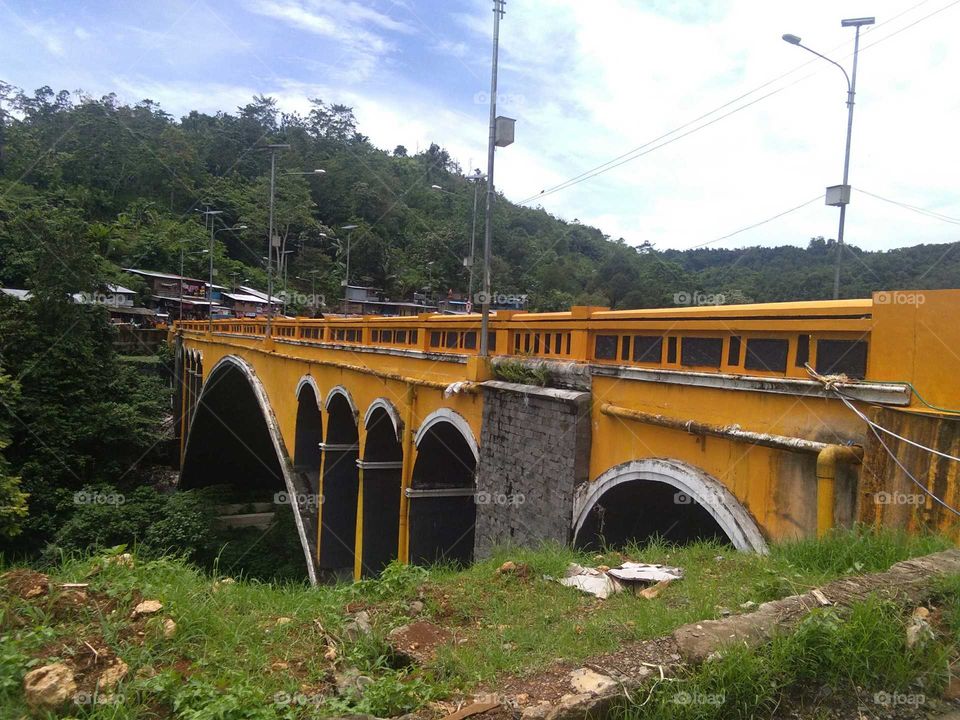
[{"x": 128, "y": 182}]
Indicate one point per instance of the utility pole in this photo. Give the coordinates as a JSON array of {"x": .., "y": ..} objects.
[
  {"x": 211, "y": 214},
  {"x": 839, "y": 195},
  {"x": 273, "y": 172},
  {"x": 498, "y": 12},
  {"x": 475, "y": 179}
]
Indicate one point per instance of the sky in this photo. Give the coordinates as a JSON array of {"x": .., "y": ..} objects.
[{"x": 587, "y": 82}]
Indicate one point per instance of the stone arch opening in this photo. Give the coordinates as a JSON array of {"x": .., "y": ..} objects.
[
  {"x": 229, "y": 441},
  {"x": 309, "y": 435},
  {"x": 639, "y": 500},
  {"x": 382, "y": 467},
  {"x": 234, "y": 441},
  {"x": 338, "y": 511},
  {"x": 443, "y": 509}
]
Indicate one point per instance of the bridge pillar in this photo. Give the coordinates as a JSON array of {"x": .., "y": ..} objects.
[{"x": 534, "y": 452}]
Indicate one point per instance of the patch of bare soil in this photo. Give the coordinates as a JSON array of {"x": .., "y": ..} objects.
[{"x": 25, "y": 584}]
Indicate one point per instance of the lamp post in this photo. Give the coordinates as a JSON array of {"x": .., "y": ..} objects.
[
  {"x": 273, "y": 173},
  {"x": 500, "y": 135},
  {"x": 839, "y": 195},
  {"x": 213, "y": 234},
  {"x": 211, "y": 215},
  {"x": 475, "y": 180},
  {"x": 346, "y": 272}
]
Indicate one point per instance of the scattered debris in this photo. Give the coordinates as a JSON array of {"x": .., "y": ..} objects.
[
  {"x": 418, "y": 642},
  {"x": 591, "y": 682},
  {"x": 147, "y": 607},
  {"x": 642, "y": 572},
  {"x": 49, "y": 686},
  {"x": 73, "y": 586},
  {"x": 748, "y": 605},
  {"x": 538, "y": 711},
  {"x": 651, "y": 593},
  {"x": 590, "y": 580},
  {"x": 508, "y": 566},
  {"x": 472, "y": 709},
  {"x": 604, "y": 582},
  {"x": 330, "y": 654},
  {"x": 820, "y": 597}
]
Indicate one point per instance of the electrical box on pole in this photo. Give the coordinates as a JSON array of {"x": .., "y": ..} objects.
[{"x": 504, "y": 131}]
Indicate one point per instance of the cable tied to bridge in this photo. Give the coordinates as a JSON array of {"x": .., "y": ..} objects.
[{"x": 830, "y": 382}]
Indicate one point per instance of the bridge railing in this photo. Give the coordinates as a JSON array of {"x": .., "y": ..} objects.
[{"x": 775, "y": 340}]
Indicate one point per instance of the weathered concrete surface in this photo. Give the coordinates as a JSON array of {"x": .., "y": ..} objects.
[
  {"x": 907, "y": 583},
  {"x": 534, "y": 450}
]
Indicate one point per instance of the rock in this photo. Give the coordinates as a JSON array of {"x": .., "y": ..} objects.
[
  {"x": 147, "y": 607},
  {"x": 146, "y": 672},
  {"x": 748, "y": 605},
  {"x": 124, "y": 560},
  {"x": 508, "y": 567},
  {"x": 169, "y": 628},
  {"x": 330, "y": 654},
  {"x": 416, "y": 607},
  {"x": 724, "y": 612},
  {"x": 571, "y": 700},
  {"x": 283, "y": 621},
  {"x": 919, "y": 631},
  {"x": 537, "y": 712},
  {"x": 49, "y": 686},
  {"x": 351, "y": 682},
  {"x": 222, "y": 583},
  {"x": 587, "y": 681},
  {"x": 112, "y": 675},
  {"x": 359, "y": 625}
]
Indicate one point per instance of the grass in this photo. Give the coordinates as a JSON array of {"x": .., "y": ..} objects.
[
  {"x": 861, "y": 657},
  {"x": 231, "y": 658}
]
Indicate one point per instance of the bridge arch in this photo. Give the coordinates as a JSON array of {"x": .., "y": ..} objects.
[
  {"x": 340, "y": 484},
  {"x": 345, "y": 394},
  {"x": 390, "y": 409},
  {"x": 382, "y": 465},
  {"x": 442, "y": 506},
  {"x": 662, "y": 496},
  {"x": 235, "y": 435}
]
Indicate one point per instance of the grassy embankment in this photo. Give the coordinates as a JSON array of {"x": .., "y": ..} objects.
[{"x": 247, "y": 649}]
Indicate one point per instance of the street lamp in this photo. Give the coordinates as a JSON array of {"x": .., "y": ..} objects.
[
  {"x": 839, "y": 195},
  {"x": 273, "y": 173},
  {"x": 318, "y": 171},
  {"x": 213, "y": 234},
  {"x": 475, "y": 179},
  {"x": 346, "y": 274},
  {"x": 500, "y": 135}
]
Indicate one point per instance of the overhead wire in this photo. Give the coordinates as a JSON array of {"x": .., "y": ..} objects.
[{"x": 646, "y": 148}]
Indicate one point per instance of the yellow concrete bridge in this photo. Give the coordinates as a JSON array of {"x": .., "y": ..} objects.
[{"x": 392, "y": 439}]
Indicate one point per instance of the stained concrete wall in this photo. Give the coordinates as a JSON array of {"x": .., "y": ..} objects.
[{"x": 534, "y": 451}]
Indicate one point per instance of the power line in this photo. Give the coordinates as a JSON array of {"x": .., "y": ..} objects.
[
  {"x": 757, "y": 224},
  {"x": 913, "y": 208},
  {"x": 636, "y": 153}
]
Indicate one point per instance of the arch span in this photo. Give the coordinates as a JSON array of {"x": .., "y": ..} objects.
[
  {"x": 692, "y": 495},
  {"x": 345, "y": 394},
  {"x": 382, "y": 465},
  {"x": 390, "y": 409},
  {"x": 338, "y": 511},
  {"x": 234, "y": 439},
  {"x": 442, "y": 507}
]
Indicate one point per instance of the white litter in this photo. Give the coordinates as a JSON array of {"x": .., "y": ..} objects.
[
  {"x": 642, "y": 572},
  {"x": 603, "y": 584}
]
